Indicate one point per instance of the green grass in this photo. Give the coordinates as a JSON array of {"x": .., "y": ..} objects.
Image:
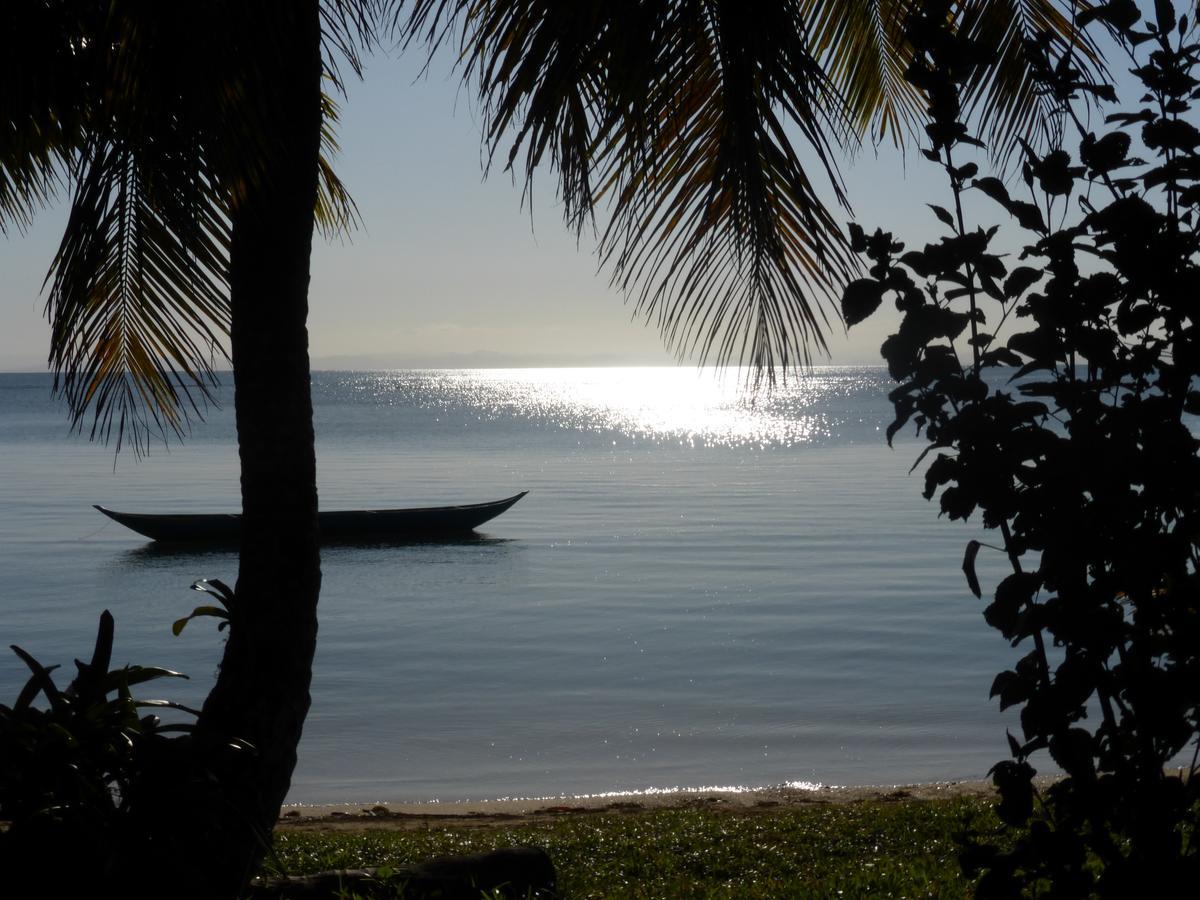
[{"x": 857, "y": 850}]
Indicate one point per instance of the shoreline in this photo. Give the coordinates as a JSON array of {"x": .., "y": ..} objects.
[{"x": 507, "y": 811}]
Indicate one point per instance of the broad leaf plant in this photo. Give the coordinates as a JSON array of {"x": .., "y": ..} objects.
[{"x": 1056, "y": 388}]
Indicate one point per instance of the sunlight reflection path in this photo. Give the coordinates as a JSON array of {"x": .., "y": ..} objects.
[{"x": 703, "y": 407}]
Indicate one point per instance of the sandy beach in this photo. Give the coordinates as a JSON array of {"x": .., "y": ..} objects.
[{"x": 394, "y": 816}]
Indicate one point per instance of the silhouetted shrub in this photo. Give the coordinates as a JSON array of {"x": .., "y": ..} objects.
[
  {"x": 85, "y": 771},
  {"x": 1057, "y": 392}
]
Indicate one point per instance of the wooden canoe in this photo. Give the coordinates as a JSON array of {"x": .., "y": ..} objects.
[{"x": 420, "y": 523}]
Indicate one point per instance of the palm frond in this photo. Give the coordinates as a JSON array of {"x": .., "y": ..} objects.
[
  {"x": 336, "y": 213},
  {"x": 717, "y": 231},
  {"x": 40, "y": 80},
  {"x": 348, "y": 27},
  {"x": 1005, "y": 96},
  {"x": 682, "y": 117},
  {"x": 863, "y": 48},
  {"x": 30, "y": 181},
  {"x": 552, "y": 78},
  {"x": 138, "y": 298},
  {"x": 137, "y": 304},
  {"x": 685, "y": 116}
]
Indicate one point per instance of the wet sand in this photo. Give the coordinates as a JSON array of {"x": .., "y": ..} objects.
[{"x": 492, "y": 813}]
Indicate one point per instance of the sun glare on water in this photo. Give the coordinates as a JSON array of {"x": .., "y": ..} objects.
[{"x": 688, "y": 406}]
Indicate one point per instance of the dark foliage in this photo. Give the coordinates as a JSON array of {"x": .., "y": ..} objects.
[
  {"x": 67, "y": 769},
  {"x": 1058, "y": 392},
  {"x": 74, "y": 772}
]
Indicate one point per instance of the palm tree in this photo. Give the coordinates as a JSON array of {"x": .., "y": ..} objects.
[
  {"x": 196, "y": 173},
  {"x": 191, "y": 138}
]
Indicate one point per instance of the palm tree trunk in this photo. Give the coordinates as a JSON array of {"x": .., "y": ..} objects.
[{"x": 262, "y": 691}]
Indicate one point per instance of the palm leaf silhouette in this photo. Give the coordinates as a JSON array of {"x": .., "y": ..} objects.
[
  {"x": 138, "y": 111},
  {"x": 696, "y": 125}
]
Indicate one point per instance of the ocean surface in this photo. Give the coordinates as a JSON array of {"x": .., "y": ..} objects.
[{"x": 705, "y": 587}]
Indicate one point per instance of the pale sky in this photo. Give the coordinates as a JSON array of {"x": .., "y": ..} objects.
[{"x": 448, "y": 269}]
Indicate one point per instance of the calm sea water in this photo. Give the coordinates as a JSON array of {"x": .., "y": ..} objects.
[{"x": 701, "y": 589}]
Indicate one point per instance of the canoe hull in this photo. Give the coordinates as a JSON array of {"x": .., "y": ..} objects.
[{"x": 417, "y": 524}]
